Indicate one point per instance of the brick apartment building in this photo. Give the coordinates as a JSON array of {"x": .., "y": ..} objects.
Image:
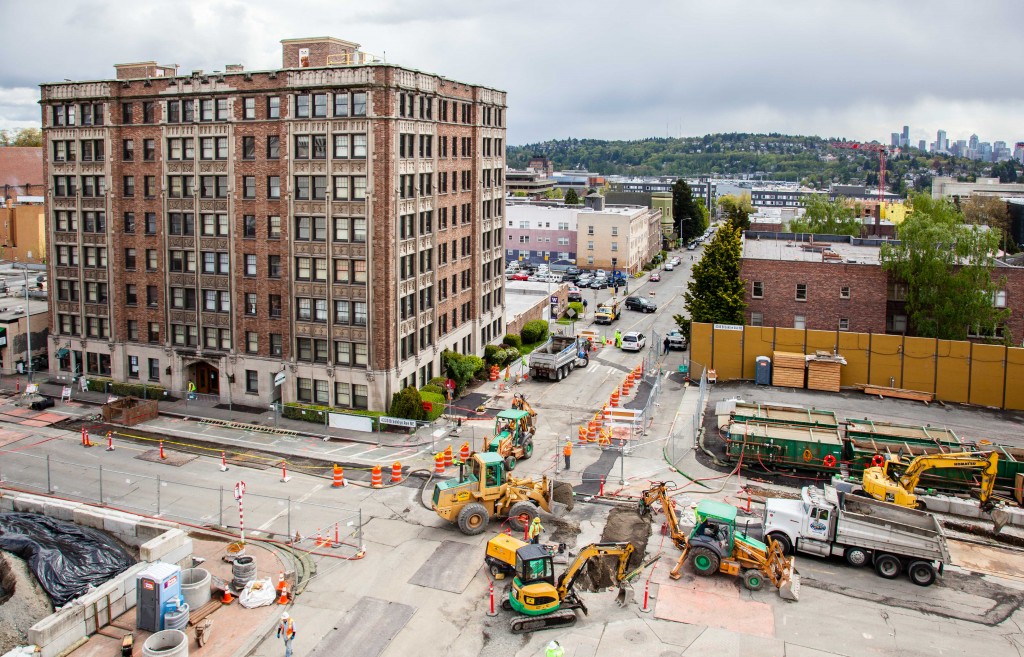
[
  {"x": 840, "y": 285},
  {"x": 338, "y": 221}
]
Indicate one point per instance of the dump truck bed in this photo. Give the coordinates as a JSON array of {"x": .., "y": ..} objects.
[{"x": 883, "y": 527}]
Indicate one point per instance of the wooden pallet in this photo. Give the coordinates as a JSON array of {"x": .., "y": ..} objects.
[
  {"x": 823, "y": 376},
  {"x": 788, "y": 360},
  {"x": 900, "y": 393}
]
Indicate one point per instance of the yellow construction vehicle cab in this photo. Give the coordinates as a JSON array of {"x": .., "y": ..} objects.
[
  {"x": 484, "y": 490},
  {"x": 520, "y": 404},
  {"x": 543, "y": 600},
  {"x": 513, "y": 436},
  {"x": 882, "y": 483}
]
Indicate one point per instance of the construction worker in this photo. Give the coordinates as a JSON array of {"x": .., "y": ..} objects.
[
  {"x": 191, "y": 390},
  {"x": 287, "y": 628},
  {"x": 554, "y": 649},
  {"x": 666, "y": 343},
  {"x": 535, "y": 529},
  {"x": 618, "y": 339},
  {"x": 567, "y": 452}
]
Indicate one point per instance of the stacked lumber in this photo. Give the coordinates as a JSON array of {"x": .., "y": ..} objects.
[
  {"x": 788, "y": 369},
  {"x": 823, "y": 371},
  {"x": 899, "y": 393}
]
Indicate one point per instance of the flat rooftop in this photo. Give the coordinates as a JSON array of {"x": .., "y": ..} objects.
[{"x": 781, "y": 249}]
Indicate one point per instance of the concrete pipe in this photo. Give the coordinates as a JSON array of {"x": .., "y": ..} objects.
[
  {"x": 166, "y": 643},
  {"x": 177, "y": 619},
  {"x": 195, "y": 586},
  {"x": 243, "y": 571}
]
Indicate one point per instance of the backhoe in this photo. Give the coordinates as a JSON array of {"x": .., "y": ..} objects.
[{"x": 882, "y": 483}]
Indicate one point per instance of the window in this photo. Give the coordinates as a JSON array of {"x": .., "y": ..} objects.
[
  {"x": 341, "y": 188},
  {"x": 273, "y": 187},
  {"x": 154, "y": 332},
  {"x": 757, "y": 319},
  {"x": 844, "y": 292},
  {"x": 130, "y": 295},
  {"x": 250, "y": 303},
  {"x": 129, "y": 259},
  {"x": 273, "y": 147},
  {"x": 128, "y": 184},
  {"x": 248, "y": 186},
  {"x": 341, "y": 104},
  {"x": 999, "y": 299},
  {"x": 154, "y": 369},
  {"x": 302, "y": 106},
  {"x": 273, "y": 107},
  {"x": 274, "y": 227},
  {"x": 275, "y": 344},
  {"x": 152, "y": 297},
  {"x": 758, "y": 290},
  {"x": 148, "y": 150},
  {"x": 126, "y": 113},
  {"x": 148, "y": 112},
  {"x": 133, "y": 367},
  {"x": 844, "y": 324},
  {"x": 359, "y": 146},
  {"x": 799, "y": 322},
  {"x": 249, "y": 108},
  {"x": 801, "y": 292},
  {"x": 252, "y": 385},
  {"x": 150, "y": 223},
  {"x": 359, "y": 104},
  {"x": 248, "y": 148},
  {"x": 274, "y": 266},
  {"x": 127, "y": 150},
  {"x": 249, "y": 226}
]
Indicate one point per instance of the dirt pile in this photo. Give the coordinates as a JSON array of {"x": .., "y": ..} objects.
[
  {"x": 624, "y": 525},
  {"x": 27, "y": 603}
]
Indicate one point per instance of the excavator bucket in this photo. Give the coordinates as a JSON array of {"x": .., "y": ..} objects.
[
  {"x": 625, "y": 596},
  {"x": 789, "y": 587},
  {"x": 561, "y": 491},
  {"x": 781, "y": 570}
]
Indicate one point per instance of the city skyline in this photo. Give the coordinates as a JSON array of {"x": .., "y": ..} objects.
[{"x": 578, "y": 73}]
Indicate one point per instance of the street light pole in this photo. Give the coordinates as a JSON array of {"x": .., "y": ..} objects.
[{"x": 28, "y": 329}]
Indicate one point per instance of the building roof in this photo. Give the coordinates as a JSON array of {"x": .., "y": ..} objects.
[
  {"x": 785, "y": 249},
  {"x": 21, "y": 165}
]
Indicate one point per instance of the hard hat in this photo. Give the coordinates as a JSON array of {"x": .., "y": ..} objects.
[
  {"x": 284, "y": 616},
  {"x": 553, "y": 645}
]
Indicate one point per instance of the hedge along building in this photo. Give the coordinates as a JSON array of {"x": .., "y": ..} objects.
[{"x": 338, "y": 221}]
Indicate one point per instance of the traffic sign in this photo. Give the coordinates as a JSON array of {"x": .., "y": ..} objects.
[
  {"x": 450, "y": 384},
  {"x": 397, "y": 421}
]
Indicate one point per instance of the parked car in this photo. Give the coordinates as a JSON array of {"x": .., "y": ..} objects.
[
  {"x": 520, "y": 276},
  {"x": 675, "y": 260},
  {"x": 599, "y": 283},
  {"x": 641, "y": 304},
  {"x": 633, "y": 341},
  {"x": 655, "y": 277},
  {"x": 669, "y": 266},
  {"x": 691, "y": 246},
  {"x": 575, "y": 294},
  {"x": 676, "y": 340}
]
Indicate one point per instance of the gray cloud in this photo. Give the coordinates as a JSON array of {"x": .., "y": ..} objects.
[{"x": 600, "y": 68}]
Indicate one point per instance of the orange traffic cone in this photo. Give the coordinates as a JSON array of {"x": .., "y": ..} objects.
[
  {"x": 282, "y": 598},
  {"x": 396, "y": 473},
  {"x": 448, "y": 456},
  {"x": 464, "y": 452},
  {"x": 439, "y": 463},
  {"x": 227, "y": 598},
  {"x": 376, "y": 479}
]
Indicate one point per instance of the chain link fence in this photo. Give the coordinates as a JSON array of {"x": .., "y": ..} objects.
[
  {"x": 266, "y": 516},
  {"x": 683, "y": 438}
]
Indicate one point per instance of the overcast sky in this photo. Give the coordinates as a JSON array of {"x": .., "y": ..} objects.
[{"x": 596, "y": 68}]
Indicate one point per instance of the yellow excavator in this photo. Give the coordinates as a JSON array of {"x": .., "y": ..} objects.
[
  {"x": 542, "y": 600},
  {"x": 519, "y": 403},
  {"x": 882, "y": 483}
]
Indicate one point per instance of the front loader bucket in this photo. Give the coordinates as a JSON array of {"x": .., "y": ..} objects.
[
  {"x": 561, "y": 492},
  {"x": 789, "y": 586},
  {"x": 625, "y": 595}
]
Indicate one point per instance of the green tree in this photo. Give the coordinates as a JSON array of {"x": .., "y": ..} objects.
[
  {"x": 1006, "y": 171},
  {"x": 408, "y": 404},
  {"x": 686, "y": 214},
  {"x": 947, "y": 267},
  {"x": 22, "y": 137},
  {"x": 571, "y": 198},
  {"x": 825, "y": 217},
  {"x": 461, "y": 369},
  {"x": 715, "y": 293},
  {"x": 737, "y": 210}
]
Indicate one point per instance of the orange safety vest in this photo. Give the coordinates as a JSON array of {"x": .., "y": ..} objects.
[
  {"x": 567, "y": 450},
  {"x": 288, "y": 627}
]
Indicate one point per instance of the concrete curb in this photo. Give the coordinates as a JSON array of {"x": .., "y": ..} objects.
[{"x": 261, "y": 633}]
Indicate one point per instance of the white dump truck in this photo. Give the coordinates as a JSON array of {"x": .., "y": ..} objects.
[
  {"x": 557, "y": 358},
  {"x": 863, "y": 531}
]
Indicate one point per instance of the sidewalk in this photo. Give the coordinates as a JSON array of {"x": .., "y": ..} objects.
[{"x": 193, "y": 410}]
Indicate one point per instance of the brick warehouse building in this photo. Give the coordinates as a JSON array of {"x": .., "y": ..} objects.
[
  {"x": 338, "y": 220},
  {"x": 838, "y": 284}
]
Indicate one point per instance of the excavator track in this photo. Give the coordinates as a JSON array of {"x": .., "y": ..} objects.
[{"x": 560, "y": 618}]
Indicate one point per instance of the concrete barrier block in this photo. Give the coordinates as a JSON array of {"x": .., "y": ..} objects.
[
  {"x": 7, "y": 503},
  {"x": 1016, "y": 516},
  {"x": 61, "y": 509},
  {"x": 120, "y": 524},
  {"x": 69, "y": 619},
  {"x": 155, "y": 549},
  {"x": 936, "y": 503},
  {"x": 966, "y": 508},
  {"x": 28, "y": 504},
  {"x": 87, "y": 516},
  {"x": 59, "y": 644},
  {"x": 181, "y": 556},
  {"x": 149, "y": 529},
  {"x": 130, "y": 595}
]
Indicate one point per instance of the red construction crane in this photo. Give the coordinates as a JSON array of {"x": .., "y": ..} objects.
[{"x": 882, "y": 151}]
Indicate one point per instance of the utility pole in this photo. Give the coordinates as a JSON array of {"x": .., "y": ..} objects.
[{"x": 28, "y": 329}]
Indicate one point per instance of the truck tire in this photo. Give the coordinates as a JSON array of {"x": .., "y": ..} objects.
[
  {"x": 753, "y": 580},
  {"x": 559, "y": 374},
  {"x": 527, "y": 448},
  {"x": 921, "y": 573},
  {"x": 856, "y": 557},
  {"x": 473, "y": 519},
  {"x": 784, "y": 542},
  {"x": 521, "y": 510},
  {"x": 705, "y": 561},
  {"x": 533, "y": 373},
  {"x": 510, "y": 463},
  {"x": 888, "y": 566},
  {"x": 583, "y": 362}
]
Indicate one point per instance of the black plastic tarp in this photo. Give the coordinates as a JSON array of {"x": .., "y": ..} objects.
[{"x": 65, "y": 558}]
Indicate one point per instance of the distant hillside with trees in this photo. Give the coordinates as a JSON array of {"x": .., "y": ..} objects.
[{"x": 808, "y": 160}]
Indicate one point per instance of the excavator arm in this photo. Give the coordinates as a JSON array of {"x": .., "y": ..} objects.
[
  {"x": 961, "y": 460},
  {"x": 623, "y": 551},
  {"x": 659, "y": 493},
  {"x": 519, "y": 402}
]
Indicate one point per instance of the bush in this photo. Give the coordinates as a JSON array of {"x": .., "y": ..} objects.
[
  {"x": 513, "y": 340},
  {"x": 306, "y": 412},
  {"x": 407, "y": 404},
  {"x": 139, "y": 390},
  {"x": 578, "y": 307},
  {"x": 430, "y": 387},
  {"x": 438, "y": 381},
  {"x": 437, "y": 400},
  {"x": 491, "y": 352},
  {"x": 461, "y": 368},
  {"x": 512, "y": 354},
  {"x": 535, "y": 331}
]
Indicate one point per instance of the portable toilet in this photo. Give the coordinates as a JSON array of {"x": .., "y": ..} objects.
[
  {"x": 763, "y": 371},
  {"x": 157, "y": 589}
]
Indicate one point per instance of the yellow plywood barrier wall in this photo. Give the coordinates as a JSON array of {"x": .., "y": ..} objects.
[
  {"x": 728, "y": 355},
  {"x": 821, "y": 341},
  {"x": 987, "y": 374},
  {"x": 1013, "y": 396},
  {"x": 919, "y": 364},
  {"x": 757, "y": 341},
  {"x": 886, "y": 364},
  {"x": 700, "y": 343},
  {"x": 954, "y": 370},
  {"x": 854, "y": 348},
  {"x": 789, "y": 339}
]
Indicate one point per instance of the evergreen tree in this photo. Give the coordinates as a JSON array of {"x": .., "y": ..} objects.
[
  {"x": 407, "y": 404},
  {"x": 947, "y": 267},
  {"x": 571, "y": 198},
  {"x": 716, "y": 293},
  {"x": 686, "y": 215}
]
